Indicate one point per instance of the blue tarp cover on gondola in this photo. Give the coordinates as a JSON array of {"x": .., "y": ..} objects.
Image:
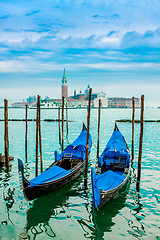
[
  {"x": 49, "y": 175},
  {"x": 106, "y": 181},
  {"x": 77, "y": 148},
  {"x": 115, "y": 147}
]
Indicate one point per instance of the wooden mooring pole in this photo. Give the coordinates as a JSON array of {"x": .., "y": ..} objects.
[
  {"x": 62, "y": 123},
  {"x": 26, "y": 120},
  {"x": 37, "y": 133},
  {"x": 6, "y": 134},
  {"x": 140, "y": 142},
  {"x": 88, "y": 127},
  {"x": 59, "y": 125},
  {"x": 99, "y": 119},
  {"x": 133, "y": 119},
  {"x": 40, "y": 139},
  {"x": 67, "y": 117}
]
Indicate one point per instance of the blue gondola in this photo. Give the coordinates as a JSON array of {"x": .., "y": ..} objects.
[
  {"x": 114, "y": 165},
  {"x": 67, "y": 166}
]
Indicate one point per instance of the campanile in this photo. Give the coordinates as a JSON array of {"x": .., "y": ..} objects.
[{"x": 64, "y": 85}]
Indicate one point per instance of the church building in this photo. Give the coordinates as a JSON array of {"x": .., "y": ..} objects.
[{"x": 78, "y": 100}]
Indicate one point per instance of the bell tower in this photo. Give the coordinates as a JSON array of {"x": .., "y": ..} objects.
[{"x": 64, "y": 85}]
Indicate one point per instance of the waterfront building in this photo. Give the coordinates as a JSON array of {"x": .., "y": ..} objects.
[
  {"x": 31, "y": 99},
  {"x": 51, "y": 103},
  {"x": 77, "y": 103},
  {"x": 102, "y": 96},
  {"x": 31, "y": 102},
  {"x": 81, "y": 99},
  {"x": 23, "y": 104},
  {"x": 19, "y": 104},
  {"x": 120, "y": 102}
]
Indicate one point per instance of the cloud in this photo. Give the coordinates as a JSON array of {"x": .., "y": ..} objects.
[
  {"x": 111, "y": 33},
  {"x": 32, "y": 65},
  {"x": 32, "y": 13},
  {"x": 96, "y": 16},
  {"x": 62, "y": 26},
  {"x": 26, "y": 65},
  {"x": 115, "y": 16},
  {"x": 5, "y": 17},
  {"x": 150, "y": 38}
]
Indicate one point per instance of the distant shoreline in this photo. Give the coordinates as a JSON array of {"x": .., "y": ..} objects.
[{"x": 76, "y": 108}]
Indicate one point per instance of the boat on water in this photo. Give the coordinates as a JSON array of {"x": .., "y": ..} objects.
[
  {"x": 67, "y": 166},
  {"x": 113, "y": 168}
]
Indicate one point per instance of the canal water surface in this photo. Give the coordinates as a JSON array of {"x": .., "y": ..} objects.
[{"x": 68, "y": 213}]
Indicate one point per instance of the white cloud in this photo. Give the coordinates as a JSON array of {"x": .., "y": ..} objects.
[
  {"x": 26, "y": 65},
  {"x": 150, "y": 38},
  {"x": 30, "y": 65},
  {"x": 19, "y": 37}
]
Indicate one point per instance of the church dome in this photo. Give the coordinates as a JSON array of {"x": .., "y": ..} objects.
[{"x": 87, "y": 89}]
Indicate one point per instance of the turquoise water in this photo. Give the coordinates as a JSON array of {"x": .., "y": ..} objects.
[{"x": 68, "y": 213}]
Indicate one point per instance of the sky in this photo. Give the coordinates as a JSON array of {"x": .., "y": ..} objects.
[{"x": 112, "y": 45}]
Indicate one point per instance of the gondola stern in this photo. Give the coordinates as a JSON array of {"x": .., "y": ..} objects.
[
  {"x": 84, "y": 127},
  {"x": 116, "y": 127},
  {"x": 20, "y": 166},
  {"x": 23, "y": 181}
]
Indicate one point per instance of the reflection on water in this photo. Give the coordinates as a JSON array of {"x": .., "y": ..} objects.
[
  {"x": 8, "y": 193},
  {"x": 99, "y": 222},
  {"x": 68, "y": 212},
  {"x": 50, "y": 206},
  {"x": 137, "y": 229}
]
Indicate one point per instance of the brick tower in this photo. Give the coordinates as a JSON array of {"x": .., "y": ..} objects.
[{"x": 64, "y": 86}]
